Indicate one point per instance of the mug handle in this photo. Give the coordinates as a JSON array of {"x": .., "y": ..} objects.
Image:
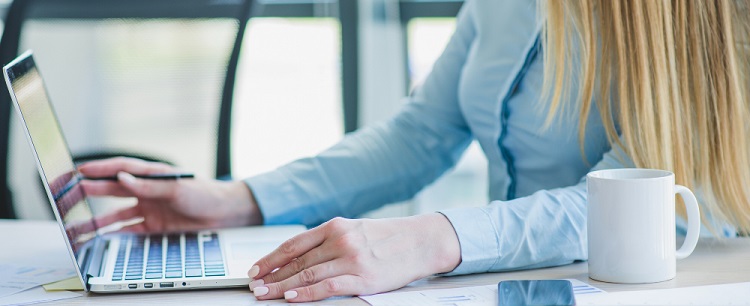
[{"x": 693, "y": 219}]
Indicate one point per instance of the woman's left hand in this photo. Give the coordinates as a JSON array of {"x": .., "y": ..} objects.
[{"x": 356, "y": 257}]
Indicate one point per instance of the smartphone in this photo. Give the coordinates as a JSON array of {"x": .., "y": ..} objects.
[{"x": 535, "y": 292}]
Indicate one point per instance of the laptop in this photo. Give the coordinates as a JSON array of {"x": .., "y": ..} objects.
[{"x": 122, "y": 262}]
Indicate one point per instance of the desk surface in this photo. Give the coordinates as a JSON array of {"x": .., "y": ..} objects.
[{"x": 713, "y": 262}]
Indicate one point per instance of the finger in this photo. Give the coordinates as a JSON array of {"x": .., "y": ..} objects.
[
  {"x": 312, "y": 258},
  {"x": 290, "y": 249},
  {"x": 146, "y": 188},
  {"x": 306, "y": 277},
  {"x": 335, "y": 286},
  {"x": 111, "y": 166},
  {"x": 139, "y": 228},
  {"x": 105, "y": 188},
  {"x": 120, "y": 215}
]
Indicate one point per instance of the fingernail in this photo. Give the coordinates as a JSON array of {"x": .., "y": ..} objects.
[
  {"x": 290, "y": 295},
  {"x": 253, "y": 272},
  {"x": 260, "y": 291},
  {"x": 125, "y": 177},
  {"x": 256, "y": 283}
]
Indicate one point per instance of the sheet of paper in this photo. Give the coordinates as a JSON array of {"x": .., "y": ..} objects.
[
  {"x": 36, "y": 295},
  {"x": 466, "y": 296},
  {"x": 727, "y": 294},
  {"x": 15, "y": 278},
  {"x": 72, "y": 284}
]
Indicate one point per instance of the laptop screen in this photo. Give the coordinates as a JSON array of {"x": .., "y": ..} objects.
[{"x": 55, "y": 161}]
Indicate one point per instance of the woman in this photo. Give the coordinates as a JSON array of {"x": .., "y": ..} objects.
[{"x": 656, "y": 84}]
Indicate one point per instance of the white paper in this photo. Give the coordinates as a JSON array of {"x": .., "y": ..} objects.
[
  {"x": 466, "y": 296},
  {"x": 15, "y": 278},
  {"x": 727, "y": 294},
  {"x": 36, "y": 295}
]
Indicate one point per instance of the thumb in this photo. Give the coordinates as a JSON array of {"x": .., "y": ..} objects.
[{"x": 144, "y": 188}]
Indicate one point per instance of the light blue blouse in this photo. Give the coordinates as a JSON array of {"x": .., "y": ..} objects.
[{"x": 485, "y": 86}]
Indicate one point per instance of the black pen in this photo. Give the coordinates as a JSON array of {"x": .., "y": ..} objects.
[{"x": 159, "y": 176}]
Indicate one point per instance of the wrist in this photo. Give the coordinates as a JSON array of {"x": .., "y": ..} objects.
[
  {"x": 256, "y": 217},
  {"x": 244, "y": 208},
  {"x": 444, "y": 251}
]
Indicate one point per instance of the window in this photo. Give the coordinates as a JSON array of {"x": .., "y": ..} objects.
[
  {"x": 297, "y": 87},
  {"x": 288, "y": 101}
]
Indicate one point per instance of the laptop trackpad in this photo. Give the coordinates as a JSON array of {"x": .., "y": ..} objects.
[{"x": 251, "y": 250}]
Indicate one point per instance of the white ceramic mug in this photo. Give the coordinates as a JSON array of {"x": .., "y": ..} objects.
[{"x": 631, "y": 225}]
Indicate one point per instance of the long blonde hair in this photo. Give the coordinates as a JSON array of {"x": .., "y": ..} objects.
[{"x": 671, "y": 76}]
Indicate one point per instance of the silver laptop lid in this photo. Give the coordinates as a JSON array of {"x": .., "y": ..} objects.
[{"x": 54, "y": 161}]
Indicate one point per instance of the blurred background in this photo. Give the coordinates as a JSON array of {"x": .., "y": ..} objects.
[{"x": 307, "y": 72}]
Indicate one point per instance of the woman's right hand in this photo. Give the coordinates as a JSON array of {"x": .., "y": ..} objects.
[{"x": 174, "y": 205}]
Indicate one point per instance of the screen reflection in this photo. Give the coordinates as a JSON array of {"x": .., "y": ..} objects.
[{"x": 53, "y": 154}]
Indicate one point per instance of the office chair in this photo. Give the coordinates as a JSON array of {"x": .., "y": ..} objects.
[{"x": 146, "y": 78}]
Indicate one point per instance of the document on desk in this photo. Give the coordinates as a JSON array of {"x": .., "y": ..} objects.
[
  {"x": 15, "y": 278},
  {"x": 726, "y": 294},
  {"x": 465, "y": 296},
  {"x": 36, "y": 295}
]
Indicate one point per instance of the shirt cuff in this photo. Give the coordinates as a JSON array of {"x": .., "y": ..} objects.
[
  {"x": 477, "y": 238},
  {"x": 279, "y": 200}
]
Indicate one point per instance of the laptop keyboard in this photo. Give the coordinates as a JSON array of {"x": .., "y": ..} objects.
[{"x": 169, "y": 256}]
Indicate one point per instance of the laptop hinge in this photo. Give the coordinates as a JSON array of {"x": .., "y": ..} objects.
[{"x": 93, "y": 260}]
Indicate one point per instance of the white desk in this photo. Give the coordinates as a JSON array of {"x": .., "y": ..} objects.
[{"x": 713, "y": 262}]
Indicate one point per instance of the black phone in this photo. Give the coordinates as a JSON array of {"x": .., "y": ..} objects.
[{"x": 535, "y": 292}]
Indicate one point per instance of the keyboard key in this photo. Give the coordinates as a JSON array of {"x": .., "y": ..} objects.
[
  {"x": 155, "y": 258},
  {"x": 193, "y": 272},
  {"x": 120, "y": 260},
  {"x": 211, "y": 255},
  {"x": 153, "y": 275},
  {"x": 174, "y": 274},
  {"x": 213, "y": 261},
  {"x": 216, "y": 273}
]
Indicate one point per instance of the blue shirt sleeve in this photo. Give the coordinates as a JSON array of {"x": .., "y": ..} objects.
[
  {"x": 547, "y": 228},
  {"x": 384, "y": 163}
]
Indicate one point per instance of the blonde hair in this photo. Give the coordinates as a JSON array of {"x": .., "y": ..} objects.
[{"x": 671, "y": 76}]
